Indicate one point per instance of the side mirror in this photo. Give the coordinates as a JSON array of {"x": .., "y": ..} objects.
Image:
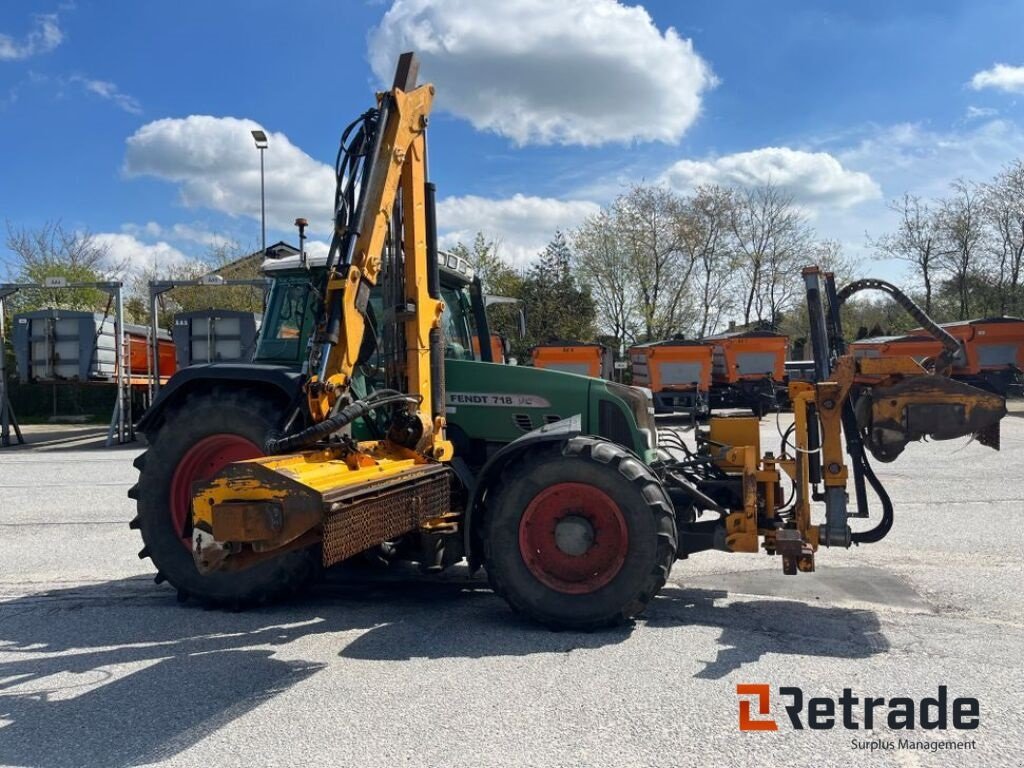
[{"x": 491, "y": 300}]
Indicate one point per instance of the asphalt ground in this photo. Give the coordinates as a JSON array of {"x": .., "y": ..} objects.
[{"x": 101, "y": 667}]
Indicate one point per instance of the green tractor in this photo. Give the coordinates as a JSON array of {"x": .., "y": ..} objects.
[
  {"x": 384, "y": 433},
  {"x": 498, "y": 416}
]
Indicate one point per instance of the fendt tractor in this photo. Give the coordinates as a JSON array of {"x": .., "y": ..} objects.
[{"x": 390, "y": 439}]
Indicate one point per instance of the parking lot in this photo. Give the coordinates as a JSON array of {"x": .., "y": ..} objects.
[{"x": 101, "y": 667}]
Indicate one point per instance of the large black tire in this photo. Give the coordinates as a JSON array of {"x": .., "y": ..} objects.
[
  {"x": 234, "y": 418},
  {"x": 587, "y": 468}
]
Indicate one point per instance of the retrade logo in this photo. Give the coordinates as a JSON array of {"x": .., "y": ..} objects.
[
  {"x": 762, "y": 694},
  {"x": 852, "y": 712}
]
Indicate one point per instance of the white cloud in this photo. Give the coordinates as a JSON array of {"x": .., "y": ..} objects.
[
  {"x": 181, "y": 232},
  {"x": 61, "y": 84},
  {"x": 812, "y": 178},
  {"x": 316, "y": 249},
  {"x": 213, "y": 161},
  {"x": 522, "y": 224},
  {"x": 570, "y": 72},
  {"x": 215, "y": 165},
  {"x": 1002, "y": 77},
  {"x": 109, "y": 91},
  {"x": 44, "y": 37},
  {"x": 137, "y": 256},
  {"x": 916, "y": 159},
  {"x": 979, "y": 113},
  {"x": 149, "y": 229},
  {"x": 912, "y": 157}
]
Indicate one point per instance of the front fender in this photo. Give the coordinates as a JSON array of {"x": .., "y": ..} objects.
[{"x": 281, "y": 378}]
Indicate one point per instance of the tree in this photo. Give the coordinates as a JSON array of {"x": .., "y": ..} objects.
[
  {"x": 706, "y": 239},
  {"x": 1003, "y": 209},
  {"x": 557, "y": 307},
  {"x": 961, "y": 228},
  {"x": 828, "y": 254},
  {"x": 637, "y": 256},
  {"x": 649, "y": 221},
  {"x": 604, "y": 265},
  {"x": 770, "y": 236},
  {"x": 225, "y": 259},
  {"x": 498, "y": 278},
  {"x": 53, "y": 251},
  {"x": 485, "y": 258},
  {"x": 916, "y": 240}
]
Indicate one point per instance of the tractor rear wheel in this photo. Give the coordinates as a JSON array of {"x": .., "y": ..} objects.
[
  {"x": 199, "y": 437},
  {"x": 579, "y": 538}
]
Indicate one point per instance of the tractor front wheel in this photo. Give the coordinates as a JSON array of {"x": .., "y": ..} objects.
[{"x": 579, "y": 538}]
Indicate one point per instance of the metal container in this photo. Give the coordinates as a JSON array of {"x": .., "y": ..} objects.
[
  {"x": 677, "y": 371},
  {"x": 68, "y": 345},
  {"x": 581, "y": 357},
  {"x": 215, "y": 336},
  {"x": 747, "y": 355}
]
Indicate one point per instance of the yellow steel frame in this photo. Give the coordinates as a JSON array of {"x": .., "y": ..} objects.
[
  {"x": 400, "y": 169},
  {"x": 761, "y": 475}
]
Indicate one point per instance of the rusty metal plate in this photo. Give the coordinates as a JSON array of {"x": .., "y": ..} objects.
[
  {"x": 357, "y": 524},
  {"x": 247, "y": 520}
]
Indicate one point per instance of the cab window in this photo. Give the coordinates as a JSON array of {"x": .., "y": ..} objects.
[
  {"x": 287, "y": 320},
  {"x": 455, "y": 327}
]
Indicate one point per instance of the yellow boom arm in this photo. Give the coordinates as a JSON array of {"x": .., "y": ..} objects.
[
  {"x": 353, "y": 496},
  {"x": 399, "y": 162}
]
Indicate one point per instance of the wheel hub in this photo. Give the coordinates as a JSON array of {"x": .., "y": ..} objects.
[
  {"x": 574, "y": 535},
  {"x": 573, "y": 538}
]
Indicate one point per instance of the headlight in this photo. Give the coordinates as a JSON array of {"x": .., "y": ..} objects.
[{"x": 641, "y": 402}]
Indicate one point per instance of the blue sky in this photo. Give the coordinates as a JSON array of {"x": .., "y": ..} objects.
[{"x": 131, "y": 120}]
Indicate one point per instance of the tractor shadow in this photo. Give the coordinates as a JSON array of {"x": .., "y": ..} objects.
[
  {"x": 117, "y": 674},
  {"x": 461, "y": 617},
  {"x": 752, "y": 629}
]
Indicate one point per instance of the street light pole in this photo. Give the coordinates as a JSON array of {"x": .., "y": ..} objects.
[{"x": 261, "y": 144}]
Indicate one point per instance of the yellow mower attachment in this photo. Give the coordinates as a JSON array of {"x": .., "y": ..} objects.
[{"x": 352, "y": 500}]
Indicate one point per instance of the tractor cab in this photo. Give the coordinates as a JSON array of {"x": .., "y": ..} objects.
[{"x": 291, "y": 309}]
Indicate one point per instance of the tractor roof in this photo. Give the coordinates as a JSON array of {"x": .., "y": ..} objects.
[{"x": 453, "y": 265}]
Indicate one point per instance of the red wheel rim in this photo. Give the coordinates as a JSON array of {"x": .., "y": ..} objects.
[
  {"x": 573, "y": 538},
  {"x": 203, "y": 460}
]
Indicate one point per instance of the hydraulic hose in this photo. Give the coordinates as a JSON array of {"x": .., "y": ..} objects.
[
  {"x": 878, "y": 532},
  {"x": 949, "y": 342},
  {"x": 952, "y": 350},
  {"x": 330, "y": 425}
]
